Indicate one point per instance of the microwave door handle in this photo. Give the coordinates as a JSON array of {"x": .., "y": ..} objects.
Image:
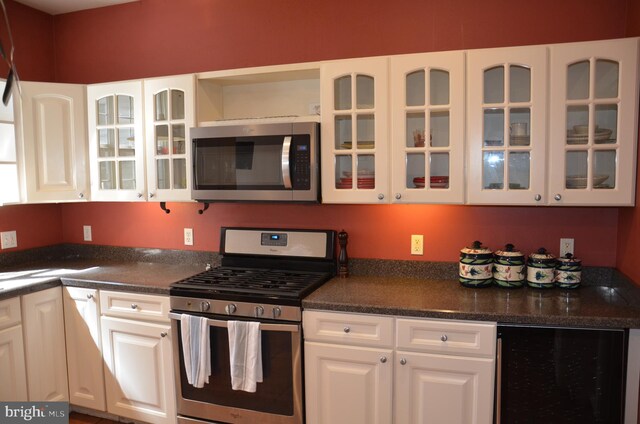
[{"x": 286, "y": 167}]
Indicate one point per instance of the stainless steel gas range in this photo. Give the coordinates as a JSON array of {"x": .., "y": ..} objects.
[{"x": 263, "y": 277}]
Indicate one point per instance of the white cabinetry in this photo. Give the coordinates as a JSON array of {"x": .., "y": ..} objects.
[
  {"x": 169, "y": 105},
  {"x": 116, "y": 141},
  {"x": 84, "y": 348},
  {"x": 12, "y": 366},
  {"x": 53, "y": 135},
  {"x": 434, "y": 371},
  {"x": 136, "y": 342},
  {"x": 46, "y": 358},
  {"x": 9, "y": 151}
]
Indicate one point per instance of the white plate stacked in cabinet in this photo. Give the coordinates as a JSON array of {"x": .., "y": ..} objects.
[{"x": 432, "y": 371}]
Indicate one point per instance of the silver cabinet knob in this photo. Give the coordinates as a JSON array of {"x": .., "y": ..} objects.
[
  {"x": 558, "y": 197},
  {"x": 398, "y": 196},
  {"x": 139, "y": 195},
  {"x": 205, "y": 306},
  {"x": 89, "y": 296},
  {"x": 403, "y": 361},
  {"x": 164, "y": 334},
  {"x": 134, "y": 306},
  {"x": 380, "y": 196},
  {"x": 383, "y": 359},
  {"x": 259, "y": 311},
  {"x": 276, "y": 312},
  {"x": 346, "y": 329},
  {"x": 230, "y": 308},
  {"x": 538, "y": 198},
  {"x": 444, "y": 338},
  {"x": 151, "y": 195},
  {"x": 81, "y": 195}
]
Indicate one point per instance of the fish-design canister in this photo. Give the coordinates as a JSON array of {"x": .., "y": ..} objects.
[
  {"x": 509, "y": 267},
  {"x": 568, "y": 272},
  {"x": 476, "y": 266},
  {"x": 541, "y": 268}
]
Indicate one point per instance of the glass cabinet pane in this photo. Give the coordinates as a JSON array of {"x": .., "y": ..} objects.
[
  {"x": 493, "y": 170},
  {"x": 493, "y": 127},
  {"x": 342, "y": 93},
  {"x": 177, "y": 104},
  {"x": 177, "y": 131},
  {"x": 415, "y": 88},
  {"x": 162, "y": 139},
  {"x": 105, "y": 111},
  {"x": 415, "y": 170},
  {"x": 439, "y": 136},
  {"x": 578, "y": 80},
  {"x": 7, "y": 143},
  {"x": 577, "y": 124},
  {"x": 344, "y": 172},
  {"x": 365, "y": 92},
  {"x": 161, "y": 105},
  {"x": 106, "y": 143},
  {"x": 439, "y": 170},
  {"x": 494, "y": 85},
  {"x": 126, "y": 142},
  {"x": 127, "y": 175},
  {"x": 604, "y": 169},
  {"x": 107, "y": 175},
  {"x": 606, "y": 124},
  {"x": 519, "y": 124},
  {"x": 438, "y": 87},
  {"x": 576, "y": 166},
  {"x": 366, "y": 131},
  {"x": 125, "y": 109},
  {"x": 519, "y": 170},
  {"x": 607, "y": 78},
  {"x": 162, "y": 174},
  {"x": 520, "y": 84},
  {"x": 366, "y": 172},
  {"x": 9, "y": 176},
  {"x": 415, "y": 129},
  {"x": 343, "y": 132},
  {"x": 179, "y": 173}
]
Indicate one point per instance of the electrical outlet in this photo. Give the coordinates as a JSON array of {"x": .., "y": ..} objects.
[
  {"x": 9, "y": 239},
  {"x": 566, "y": 246},
  {"x": 86, "y": 229},
  {"x": 188, "y": 236},
  {"x": 417, "y": 241}
]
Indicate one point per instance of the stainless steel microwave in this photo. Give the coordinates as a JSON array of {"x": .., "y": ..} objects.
[{"x": 256, "y": 162}]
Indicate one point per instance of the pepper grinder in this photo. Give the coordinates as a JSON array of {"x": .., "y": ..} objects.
[{"x": 343, "y": 259}]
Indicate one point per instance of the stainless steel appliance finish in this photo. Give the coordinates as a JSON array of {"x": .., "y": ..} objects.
[
  {"x": 263, "y": 277},
  {"x": 256, "y": 162}
]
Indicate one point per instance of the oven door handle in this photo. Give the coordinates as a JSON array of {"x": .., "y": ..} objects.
[{"x": 291, "y": 328}]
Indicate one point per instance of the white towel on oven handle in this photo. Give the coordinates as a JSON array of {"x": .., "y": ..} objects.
[
  {"x": 196, "y": 349},
  {"x": 245, "y": 355}
]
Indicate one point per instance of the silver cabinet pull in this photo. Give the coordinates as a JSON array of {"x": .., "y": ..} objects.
[
  {"x": 347, "y": 329},
  {"x": 444, "y": 338},
  {"x": 151, "y": 195},
  {"x": 403, "y": 361},
  {"x": 139, "y": 195},
  {"x": 134, "y": 306},
  {"x": 380, "y": 196},
  {"x": 164, "y": 334},
  {"x": 383, "y": 359},
  {"x": 89, "y": 296},
  {"x": 558, "y": 197},
  {"x": 538, "y": 198},
  {"x": 81, "y": 195},
  {"x": 398, "y": 196}
]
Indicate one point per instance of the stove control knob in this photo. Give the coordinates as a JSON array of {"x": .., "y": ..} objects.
[
  {"x": 230, "y": 308},
  {"x": 277, "y": 312},
  {"x": 204, "y": 306},
  {"x": 259, "y": 311}
]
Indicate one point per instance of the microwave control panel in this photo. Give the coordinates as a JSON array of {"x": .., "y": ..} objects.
[{"x": 301, "y": 175}]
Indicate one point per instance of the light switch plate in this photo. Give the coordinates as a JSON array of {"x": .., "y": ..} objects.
[
  {"x": 566, "y": 246},
  {"x": 9, "y": 239},
  {"x": 417, "y": 244},
  {"x": 87, "y": 232},
  {"x": 188, "y": 236}
]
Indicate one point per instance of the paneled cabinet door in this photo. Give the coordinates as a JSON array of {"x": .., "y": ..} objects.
[
  {"x": 355, "y": 140},
  {"x": 427, "y": 128},
  {"x": 46, "y": 357},
  {"x": 506, "y": 125},
  {"x": 348, "y": 385},
  {"x": 84, "y": 348},
  {"x": 12, "y": 368},
  {"x": 116, "y": 141},
  {"x": 54, "y": 142},
  {"x": 594, "y": 118},
  {"x": 169, "y": 113},
  {"x": 139, "y": 374},
  {"x": 443, "y": 389}
]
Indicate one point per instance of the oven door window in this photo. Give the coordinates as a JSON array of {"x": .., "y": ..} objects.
[{"x": 274, "y": 395}]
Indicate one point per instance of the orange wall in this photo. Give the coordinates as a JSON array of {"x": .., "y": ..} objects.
[{"x": 35, "y": 225}]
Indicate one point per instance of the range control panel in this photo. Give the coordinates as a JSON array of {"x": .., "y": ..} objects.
[{"x": 273, "y": 239}]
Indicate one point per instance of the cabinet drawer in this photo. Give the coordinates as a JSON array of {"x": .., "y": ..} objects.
[
  {"x": 135, "y": 305},
  {"x": 352, "y": 329},
  {"x": 9, "y": 312},
  {"x": 447, "y": 337}
]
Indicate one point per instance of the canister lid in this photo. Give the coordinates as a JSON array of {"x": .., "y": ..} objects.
[
  {"x": 476, "y": 249},
  {"x": 510, "y": 251},
  {"x": 542, "y": 256},
  {"x": 569, "y": 259}
]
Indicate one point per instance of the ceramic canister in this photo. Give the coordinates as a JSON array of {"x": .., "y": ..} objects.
[
  {"x": 509, "y": 267},
  {"x": 541, "y": 269},
  {"x": 568, "y": 272},
  {"x": 476, "y": 266}
]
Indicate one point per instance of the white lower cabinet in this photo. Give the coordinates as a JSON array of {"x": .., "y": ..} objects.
[
  {"x": 430, "y": 371},
  {"x": 12, "y": 367},
  {"x": 138, "y": 357}
]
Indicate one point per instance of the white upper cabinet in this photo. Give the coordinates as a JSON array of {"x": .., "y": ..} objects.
[
  {"x": 116, "y": 141},
  {"x": 427, "y": 128},
  {"x": 506, "y": 125},
  {"x": 53, "y": 134},
  {"x": 169, "y": 114},
  {"x": 355, "y": 141},
  {"x": 593, "y": 123}
]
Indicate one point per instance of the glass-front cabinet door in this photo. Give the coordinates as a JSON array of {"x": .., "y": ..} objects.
[
  {"x": 116, "y": 141},
  {"x": 355, "y": 161},
  {"x": 169, "y": 113},
  {"x": 506, "y": 125},
  {"x": 427, "y": 128},
  {"x": 594, "y": 95}
]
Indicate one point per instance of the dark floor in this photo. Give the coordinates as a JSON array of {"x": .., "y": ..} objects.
[{"x": 76, "y": 418}]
